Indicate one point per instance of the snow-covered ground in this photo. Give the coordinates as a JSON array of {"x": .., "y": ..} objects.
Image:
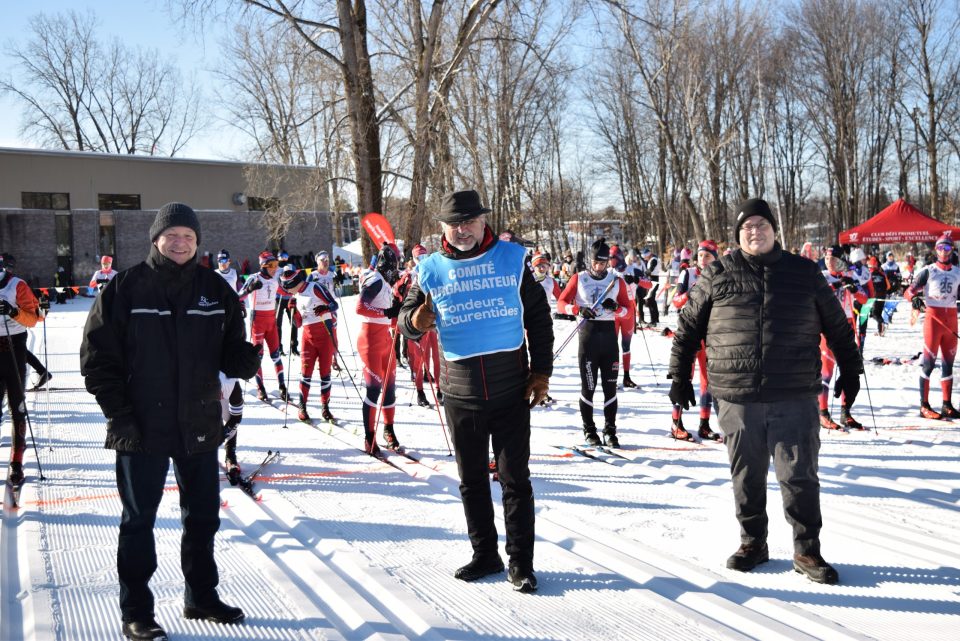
[{"x": 343, "y": 546}]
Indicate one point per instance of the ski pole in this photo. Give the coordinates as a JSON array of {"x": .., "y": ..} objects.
[
  {"x": 286, "y": 401},
  {"x": 46, "y": 383},
  {"x": 873, "y": 416},
  {"x": 436, "y": 404},
  {"x": 23, "y": 403},
  {"x": 592, "y": 308},
  {"x": 383, "y": 381},
  {"x": 336, "y": 347},
  {"x": 649, "y": 358}
]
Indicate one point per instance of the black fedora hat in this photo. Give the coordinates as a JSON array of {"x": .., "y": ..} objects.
[{"x": 459, "y": 206}]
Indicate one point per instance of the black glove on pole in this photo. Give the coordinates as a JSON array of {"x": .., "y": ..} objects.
[{"x": 681, "y": 393}]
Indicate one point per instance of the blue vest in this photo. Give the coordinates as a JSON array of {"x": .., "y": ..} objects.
[{"x": 477, "y": 300}]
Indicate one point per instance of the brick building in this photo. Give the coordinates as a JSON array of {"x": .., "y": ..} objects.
[{"x": 66, "y": 209}]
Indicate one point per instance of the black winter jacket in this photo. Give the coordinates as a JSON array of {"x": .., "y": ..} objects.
[
  {"x": 154, "y": 343},
  {"x": 762, "y": 317},
  {"x": 482, "y": 381}
]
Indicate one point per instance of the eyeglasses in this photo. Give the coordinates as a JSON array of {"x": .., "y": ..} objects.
[{"x": 761, "y": 227}]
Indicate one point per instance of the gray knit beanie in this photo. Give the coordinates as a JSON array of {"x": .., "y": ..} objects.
[{"x": 174, "y": 215}]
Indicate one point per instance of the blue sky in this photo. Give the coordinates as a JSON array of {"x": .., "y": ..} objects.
[{"x": 134, "y": 22}]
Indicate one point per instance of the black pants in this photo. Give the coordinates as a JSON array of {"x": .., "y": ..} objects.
[
  {"x": 599, "y": 364},
  {"x": 13, "y": 373},
  {"x": 508, "y": 426},
  {"x": 283, "y": 310},
  {"x": 140, "y": 480},
  {"x": 650, "y": 302}
]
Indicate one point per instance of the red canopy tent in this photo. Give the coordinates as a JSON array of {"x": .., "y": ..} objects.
[{"x": 901, "y": 222}]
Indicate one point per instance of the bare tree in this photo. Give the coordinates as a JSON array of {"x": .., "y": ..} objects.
[{"x": 79, "y": 95}]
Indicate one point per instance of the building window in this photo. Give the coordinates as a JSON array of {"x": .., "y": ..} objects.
[
  {"x": 111, "y": 202},
  {"x": 108, "y": 234},
  {"x": 44, "y": 200},
  {"x": 63, "y": 234},
  {"x": 256, "y": 203}
]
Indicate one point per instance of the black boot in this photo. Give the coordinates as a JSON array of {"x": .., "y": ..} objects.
[
  {"x": 422, "y": 399},
  {"x": 283, "y": 393},
  {"x": 591, "y": 436},
  {"x": 15, "y": 473},
  {"x": 370, "y": 444},
  {"x": 628, "y": 382},
  {"x": 217, "y": 612},
  {"x": 815, "y": 568},
  {"x": 325, "y": 413},
  {"x": 141, "y": 630},
  {"x": 262, "y": 394},
  {"x": 609, "y": 439},
  {"x": 522, "y": 578},
  {"x": 43, "y": 379},
  {"x": 679, "y": 432},
  {"x": 848, "y": 421},
  {"x": 707, "y": 434},
  {"x": 390, "y": 437},
  {"x": 748, "y": 556},
  {"x": 949, "y": 411},
  {"x": 479, "y": 567},
  {"x": 302, "y": 412}
]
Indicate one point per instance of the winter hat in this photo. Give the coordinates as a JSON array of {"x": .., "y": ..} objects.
[
  {"x": 614, "y": 250},
  {"x": 283, "y": 255},
  {"x": 460, "y": 206},
  {"x": 944, "y": 240},
  {"x": 708, "y": 246},
  {"x": 174, "y": 215},
  {"x": 539, "y": 259},
  {"x": 291, "y": 278},
  {"x": 600, "y": 250},
  {"x": 685, "y": 254},
  {"x": 618, "y": 263},
  {"x": 857, "y": 256},
  {"x": 223, "y": 256},
  {"x": 645, "y": 252},
  {"x": 418, "y": 250},
  {"x": 754, "y": 207},
  {"x": 106, "y": 259},
  {"x": 266, "y": 257}
]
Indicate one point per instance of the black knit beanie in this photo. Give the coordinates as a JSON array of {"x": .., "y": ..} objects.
[
  {"x": 754, "y": 207},
  {"x": 599, "y": 250},
  {"x": 174, "y": 215}
]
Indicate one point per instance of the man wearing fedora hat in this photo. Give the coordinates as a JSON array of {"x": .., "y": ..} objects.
[{"x": 496, "y": 342}]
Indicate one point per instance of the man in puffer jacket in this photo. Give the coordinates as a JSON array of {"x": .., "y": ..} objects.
[
  {"x": 761, "y": 311},
  {"x": 154, "y": 345}
]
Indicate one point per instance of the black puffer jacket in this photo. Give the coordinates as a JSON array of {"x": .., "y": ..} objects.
[
  {"x": 154, "y": 343},
  {"x": 762, "y": 317},
  {"x": 480, "y": 381}
]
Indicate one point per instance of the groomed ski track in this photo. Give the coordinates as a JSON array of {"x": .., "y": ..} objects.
[{"x": 343, "y": 546}]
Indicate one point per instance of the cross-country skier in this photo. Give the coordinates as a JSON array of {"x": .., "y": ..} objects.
[
  {"x": 892, "y": 269},
  {"x": 627, "y": 323},
  {"x": 313, "y": 307},
  {"x": 879, "y": 289},
  {"x": 227, "y": 272},
  {"x": 850, "y": 295},
  {"x": 19, "y": 310},
  {"x": 261, "y": 288},
  {"x": 541, "y": 273},
  {"x": 423, "y": 354},
  {"x": 103, "y": 275},
  {"x": 653, "y": 273},
  {"x": 597, "y": 295},
  {"x": 378, "y": 308},
  {"x": 938, "y": 284},
  {"x": 706, "y": 254}
]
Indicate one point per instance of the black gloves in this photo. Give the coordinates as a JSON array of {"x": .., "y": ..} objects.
[
  {"x": 252, "y": 285},
  {"x": 681, "y": 393},
  {"x": 849, "y": 386},
  {"x": 123, "y": 433},
  {"x": 394, "y": 310},
  {"x": 6, "y": 309},
  {"x": 609, "y": 304},
  {"x": 568, "y": 317},
  {"x": 917, "y": 303},
  {"x": 243, "y": 362},
  {"x": 45, "y": 302},
  {"x": 321, "y": 309},
  {"x": 628, "y": 279},
  {"x": 587, "y": 313},
  {"x": 848, "y": 282}
]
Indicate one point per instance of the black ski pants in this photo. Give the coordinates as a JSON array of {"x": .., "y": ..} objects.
[
  {"x": 789, "y": 433},
  {"x": 507, "y": 424},
  {"x": 13, "y": 372},
  {"x": 599, "y": 358},
  {"x": 140, "y": 480},
  {"x": 650, "y": 302}
]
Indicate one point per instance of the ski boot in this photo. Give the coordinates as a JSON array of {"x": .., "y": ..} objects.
[
  {"x": 294, "y": 351},
  {"x": 302, "y": 412},
  {"x": 591, "y": 436},
  {"x": 422, "y": 399},
  {"x": 262, "y": 394},
  {"x": 707, "y": 434},
  {"x": 233, "y": 470},
  {"x": 326, "y": 415},
  {"x": 949, "y": 411},
  {"x": 628, "y": 382},
  {"x": 848, "y": 421},
  {"x": 42, "y": 380},
  {"x": 370, "y": 444},
  {"x": 826, "y": 422},
  {"x": 283, "y": 394},
  {"x": 610, "y": 436},
  {"x": 928, "y": 412},
  {"x": 439, "y": 397},
  {"x": 15, "y": 473},
  {"x": 390, "y": 437},
  {"x": 678, "y": 432}
]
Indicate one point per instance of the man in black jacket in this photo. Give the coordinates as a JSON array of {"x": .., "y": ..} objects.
[
  {"x": 761, "y": 311},
  {"x": 487, "y": 309},
  {"x": 154, "y": 344}
]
